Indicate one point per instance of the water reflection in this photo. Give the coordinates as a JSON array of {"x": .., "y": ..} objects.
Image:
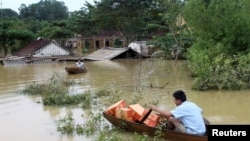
[{"x": 22, "y": 118}]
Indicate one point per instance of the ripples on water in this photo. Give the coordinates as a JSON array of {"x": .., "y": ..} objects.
[{"x": 23, "y": 119}]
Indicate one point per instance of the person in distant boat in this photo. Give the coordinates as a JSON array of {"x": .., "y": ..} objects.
[
  {"x": 186, "y": 117},
  {"x": 79, "y": 64}
]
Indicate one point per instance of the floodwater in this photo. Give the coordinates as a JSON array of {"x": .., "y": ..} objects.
[{"x": 22, "y": 118}]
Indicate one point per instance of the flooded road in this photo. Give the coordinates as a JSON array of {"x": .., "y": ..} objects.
[{"x": 23, "y": 119}]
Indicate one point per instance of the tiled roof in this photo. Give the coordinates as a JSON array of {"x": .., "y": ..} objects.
[{"x": 30, "y": 48}]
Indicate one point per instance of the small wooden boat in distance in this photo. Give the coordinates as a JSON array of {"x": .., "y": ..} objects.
[
  {"x": 74, "y": 70},
  {"x": 142, "y": 128}
]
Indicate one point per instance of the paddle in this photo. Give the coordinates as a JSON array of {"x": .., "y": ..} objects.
[{"x": 145, "y": 116}]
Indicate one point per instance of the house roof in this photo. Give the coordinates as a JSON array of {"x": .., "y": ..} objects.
[
  {"x": 109, "y": 53},
  {"x": 33, "y": 46},
  {"x": 105, "y": 53},
  {"x": 38, "y": 45}
]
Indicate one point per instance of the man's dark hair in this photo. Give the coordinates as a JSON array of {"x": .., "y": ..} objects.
[{"x": 180, "y": 95}]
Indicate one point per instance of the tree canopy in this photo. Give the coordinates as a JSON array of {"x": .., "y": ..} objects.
[
  {"x": 219, "y": 57},
  {"x": 8, "y": 13},
  {"x": 13, "y": 34},
  {"x": 48, "y": 10},
  {"x": 129, "y": 17}
]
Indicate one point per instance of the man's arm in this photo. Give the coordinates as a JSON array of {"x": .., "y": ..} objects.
[{"x": 166, "y": 114}]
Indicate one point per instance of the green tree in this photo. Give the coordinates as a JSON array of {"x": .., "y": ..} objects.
[
  {"x": 125, "y": 16},
  {"x": 219, "y": 56},
  {"x": 58, "y": 30},
  {"x": 48, "y": 10},
  {"x": 13, "y": 34},
  {"x": 170, "y": 19},
  {"x": 81, "y": 21},
  {"x": 35, "y": 25},
  {"x": 8, "y": 13},
  {"x": 221, "y": 21}
]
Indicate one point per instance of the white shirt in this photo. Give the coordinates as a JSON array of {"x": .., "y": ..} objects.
[
  {"x": 191, "y": 117},
  {"x": 80, "y": 64}
]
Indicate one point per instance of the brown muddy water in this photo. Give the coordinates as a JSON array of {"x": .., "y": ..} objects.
[{"x": 23, "y": 119}]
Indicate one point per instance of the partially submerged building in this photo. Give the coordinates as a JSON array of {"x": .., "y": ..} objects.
[
  {"x": 134, "y": 50},
  {"x": 43, "y": 48},
  {"x": 38, "y": 51}
]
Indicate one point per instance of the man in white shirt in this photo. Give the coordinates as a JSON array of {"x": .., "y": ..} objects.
[
  {"x": 79, "y": 64},
  {"x": 186, "y": 117}
]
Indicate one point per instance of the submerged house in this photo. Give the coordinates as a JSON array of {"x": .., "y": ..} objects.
[
  {"x": 38, "y": 51},
  {"x": 142, "y": 48},
  {"x": 134, "y": 50},
  {"x": 93, "y": 43},
  {"x": 43, "y": 48}
]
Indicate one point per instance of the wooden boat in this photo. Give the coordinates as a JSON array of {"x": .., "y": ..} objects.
[
  {"x": 74, "y": 70},
  {"x": 142, "y": 128}
]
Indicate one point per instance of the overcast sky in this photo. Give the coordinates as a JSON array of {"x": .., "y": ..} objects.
[{"x": 15, "y": 4}]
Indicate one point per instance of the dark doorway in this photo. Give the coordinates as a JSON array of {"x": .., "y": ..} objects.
[
  {"x": 97, "y": 44},
  {"x": 107, "y": 43}
]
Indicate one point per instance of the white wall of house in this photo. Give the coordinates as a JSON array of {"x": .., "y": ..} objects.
[
  {"x": 51, "y": 49},
  {"x": 139, "y": 46}
]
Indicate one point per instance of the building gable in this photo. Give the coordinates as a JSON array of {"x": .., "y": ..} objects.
[
  {"x": 42, "y": 47},
  {"x": 52, "y": 48}
]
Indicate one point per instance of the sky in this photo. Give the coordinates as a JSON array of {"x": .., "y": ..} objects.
[{"x": 15, "y": 4}]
